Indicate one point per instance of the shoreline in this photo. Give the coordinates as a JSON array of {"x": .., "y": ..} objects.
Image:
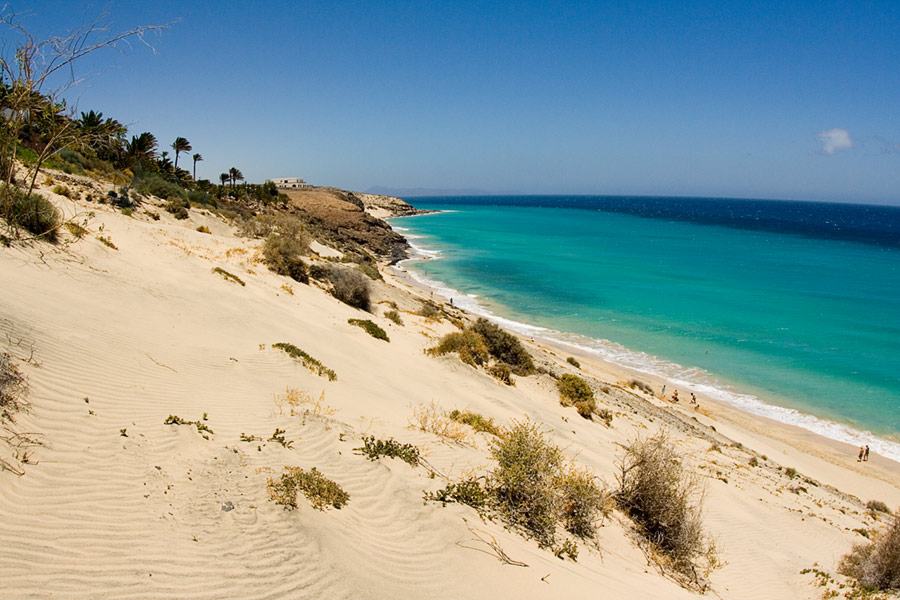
[{"x": 847, "y": 437}]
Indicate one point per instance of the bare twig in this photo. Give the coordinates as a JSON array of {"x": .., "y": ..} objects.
[{"x": 495, "y": 549}]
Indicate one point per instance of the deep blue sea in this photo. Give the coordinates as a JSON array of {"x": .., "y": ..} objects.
[{"x": 785, "y": 309}]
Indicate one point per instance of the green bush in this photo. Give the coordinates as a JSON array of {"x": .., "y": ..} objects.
[
  {"x": 308, "y": 361},
  {"x": 178, "y": 207},
  {"x": 281, "y": 253},
  {"x": 318, "y": 489},
  {"x": 374, "y": 449},
  {"x": 581, "y": 500},
  {"x": 199, "y": 197},
  {"x": 504, "y": 346},
  {"x": 31, "y": 212},
  {"x": 574, "y": 362},
  {"x": 468, "y": 344},
  {"x": 394, "y": 316},
  {"x": 152, "y": 184},
  {"x": 664, "y": 501},
  {"x": 876, "y": 565},
  {"x": 575, "y": 391},
  {"x": 640, "y": 385},
  {"x": 528, "y": 466},
  {"x": 371, "y": 328}
]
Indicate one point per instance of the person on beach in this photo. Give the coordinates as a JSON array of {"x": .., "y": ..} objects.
[
  {"x": 866, "y": 455},
  {"x": 675, "y": 396},
  {"x": 693, "y": 398},
  {"x": 663, "y": 394},
  {"x": 862, "y": 452}
]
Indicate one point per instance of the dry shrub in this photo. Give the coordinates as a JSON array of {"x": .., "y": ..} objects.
[
  {"x": 665, "y": 503},
  {"x": 876, "y": 565},
  {"x": 347, "y": 285},
  {"x": 394, "y": 316},
  {"x": 294, "y": 399},
  {"x": 468, "y": 344},
  {"x": 501, "y": 372},
  {"x": 12, "y": 388},
  {"x": 430, "y": 310},
  {"x": 640, "y": 385},
  {"x": 31, "y": 212},
  {"x": 878, "y": 506},
  {"x": 432, "y": 419},
  {"x": 318, "y": 489}
]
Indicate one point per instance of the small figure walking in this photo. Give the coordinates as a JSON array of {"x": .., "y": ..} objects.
[
  {"x": 663, "y": 395},
  {"x": 862, "y": 452},
  {"x": 693, "y": 398},
  {"x": 866, "y": 455},
  {"x": 675, "y": 396}
]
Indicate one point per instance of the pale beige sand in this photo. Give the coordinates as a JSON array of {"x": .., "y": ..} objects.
[{"x": 148, "y": 331}]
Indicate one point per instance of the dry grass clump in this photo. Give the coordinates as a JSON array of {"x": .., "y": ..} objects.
[
  {"x": 581, "y": 500},
  {"x": 476, "y": 421},
  {"x": 12, "y": 388},
  {"x": 432, "y": 419},
  {"x": 574, "y": 362},
  {"x": 308, "y": 361},
  {"x": 348, "y": 285},
  {"x": 318, "y": 489},
  {"x": 876, "y": 565},
  {"x": 394, "y": 316},
  {"x": 575, "y": 391},
  {"x": 430, "y": 310},
  {"x": 640, "y": 385},
  {"x": 665, "y": 502},
  {"x": 107, "y": 242},
  {"x": 31, "y": 212},
  {"x": 293, "y": 399}
]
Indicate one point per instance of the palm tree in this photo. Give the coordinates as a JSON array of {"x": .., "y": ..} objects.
[
  {"x": 235, "y": 175},
  {"x": 164, "y": 162},
  {"x": 224, "y": 177},
  {"x": 197, "y": 158},
  {"x": 142, "y": 146},
  {"x": 180, "y": 145}
]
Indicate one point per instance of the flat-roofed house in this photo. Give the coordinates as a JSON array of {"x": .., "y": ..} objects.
[{"x": 291, "y": 183}]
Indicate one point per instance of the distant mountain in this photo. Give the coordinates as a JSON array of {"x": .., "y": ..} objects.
[{"x": 418, "y": 192}]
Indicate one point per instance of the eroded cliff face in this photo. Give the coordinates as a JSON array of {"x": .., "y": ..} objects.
[{"x": 352, "y": 222}]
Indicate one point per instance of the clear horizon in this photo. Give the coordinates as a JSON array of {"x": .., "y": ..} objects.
[{"x": 792, "y": 101}]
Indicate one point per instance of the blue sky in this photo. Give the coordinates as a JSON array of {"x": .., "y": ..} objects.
[{"x": 794, "y": 100}]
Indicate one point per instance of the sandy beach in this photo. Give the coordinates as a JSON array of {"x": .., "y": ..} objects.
[{"x": 106, "y": 499}]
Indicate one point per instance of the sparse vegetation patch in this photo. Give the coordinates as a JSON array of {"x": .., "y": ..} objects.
[
  {"x": 12, "y": 388},
  {"x": 394, "y": 316},
  {"x": 318, "y": 489},
  {"x": 374, "y": 449},
  {"x": 308, "y": 361},
  {"x": 202, "y": 428},
  {"x": 876, "y": 564},
  {"x": 476, "y": 421},
  {"x": 228, "y": 276},
  {"x": 371, "y": 328}
]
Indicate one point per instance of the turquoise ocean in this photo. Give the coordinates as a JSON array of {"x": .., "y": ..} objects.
[{"x": 784, "y": 309}]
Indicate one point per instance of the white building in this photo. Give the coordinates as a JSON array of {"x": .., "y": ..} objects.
[{"x": 291, "y": 183}]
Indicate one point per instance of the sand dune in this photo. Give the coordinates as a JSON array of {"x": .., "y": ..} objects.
[{"x": 118, "y": 504}]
